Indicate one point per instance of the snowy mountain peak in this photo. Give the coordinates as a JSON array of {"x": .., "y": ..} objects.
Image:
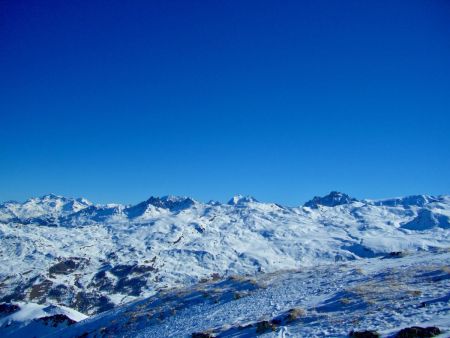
[
  {"x": 408, "y": 201},
  {"x": 83, "y": 201},
  {"x": 47, "y": 206},
  {"x": 175, "y": 199},
  {"x": 240, "y": 200},
  {"x": 50, "y": 197},
  {"x": 171, "y": 202},
  {"x": 333, "y": 199}
]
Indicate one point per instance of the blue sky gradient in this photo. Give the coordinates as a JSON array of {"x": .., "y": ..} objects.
[{"x": 116, "y": 101}]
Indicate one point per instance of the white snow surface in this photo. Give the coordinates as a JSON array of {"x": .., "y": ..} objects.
[
  {"x": 25, "y": 322},
  {"x": 123, "y": 252},
  {"x": 380, "y": 294}
]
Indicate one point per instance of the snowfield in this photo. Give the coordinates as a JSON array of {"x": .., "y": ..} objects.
[
  {"x": 34, "y": 320},
  {"x": 379, "y": 294},
  {"x": 93, "y": 258}
]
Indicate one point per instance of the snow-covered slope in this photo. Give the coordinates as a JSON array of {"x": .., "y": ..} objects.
[
  {"x": 22, "y": 320},
  {"x": 384, "y": 295},
  {"x": 92, "y": 257}
]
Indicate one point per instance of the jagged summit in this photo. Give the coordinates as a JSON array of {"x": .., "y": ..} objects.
[
  {"x": 240, "y": 200},
  {"x": 333, "y": 199},
  {"x": 170, "y": 202}
]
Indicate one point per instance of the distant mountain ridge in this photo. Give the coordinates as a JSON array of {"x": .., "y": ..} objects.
[
  {"x": 92, "y": 257},
  {"x": 51, "y": 205}
]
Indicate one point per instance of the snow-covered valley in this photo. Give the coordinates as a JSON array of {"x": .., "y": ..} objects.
[{"x": 94, "y": 258}]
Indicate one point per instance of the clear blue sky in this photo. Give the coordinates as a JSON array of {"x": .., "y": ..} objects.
[{"x": 119, "y": 100}]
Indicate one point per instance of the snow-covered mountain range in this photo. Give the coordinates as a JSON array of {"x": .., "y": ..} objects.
[{"x": 90, "y": 257}]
